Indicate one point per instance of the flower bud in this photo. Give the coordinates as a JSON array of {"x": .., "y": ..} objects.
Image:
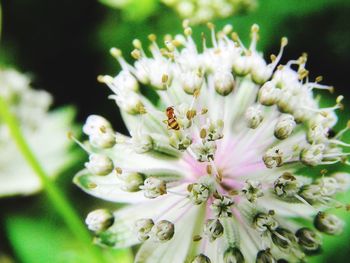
[
  {"x": 317, "y": 134},
  {"x": 95, "y": 123},
  {"x": 287, "y": 185},
  {"x": 205, "y": 151},
  {"x": 201, "y": 259},
  {"x": 191, "y": 82},
  {"x": 273, "y": 158},
  {"x": 283, "y": 238},
  {"x": 328, "y": 186},
  {"x": 308, "y": 239},
  {"x": 213, "y": 229},
  {"x": 265, "y": 256},
  {"x": 265, "y": 222},
  {"x": 100, "y": 132},
  {"x": 284, "y": 126},
  {"x": 253, "y": 117},
  {"x": 343, "y": 180},
  {"x": 221, "y": 206},
  {"x": 142, "y": 143},
  {"x": 99, "y": 220},
  {"x": 131, "y": 182},
  {"x": 130, "y": 102},
  {"x": 311, "y": 193},
  {"x": 259, "y": 71},
  {"x": 252, "y": 190},
  {"x": 268, "y": 94},
  {"x": 163, "y": 230},
  {"x": 312, "y": 155},
  {"x": 223, "y": 82},
  {"x": 125, "y": 81},
  {"x": 99, "y": 164},
  {"x": 233, "y": 255},
  {"x": 143, "y": 228},
  {"x": 286, "y": 101},
  {"x": 241, "y": 65},
  {"x": 160, "y": 75},
  {"x": 214, "y": 130},
  {"x": 153, "y": 187},
  {"x": 199, "y": 193},
  {"x": 328, "y": 223},
  {"x": 180, "y": 140}
]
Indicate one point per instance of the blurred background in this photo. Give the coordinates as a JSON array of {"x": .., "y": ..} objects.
[{"x": 65, "y": 44}]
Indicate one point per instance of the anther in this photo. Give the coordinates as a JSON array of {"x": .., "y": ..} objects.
[
  {"x": 152, "y": 37},
  {"x": 115, "y": 52}
]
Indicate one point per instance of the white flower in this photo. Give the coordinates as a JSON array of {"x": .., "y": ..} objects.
[
  {"x": 199, "y": 11},
  {"x": 221, "y": 178},
  {"x": 44, "y": 131}
]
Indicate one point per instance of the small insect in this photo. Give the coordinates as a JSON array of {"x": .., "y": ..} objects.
[{"x": 172, "y": 120}]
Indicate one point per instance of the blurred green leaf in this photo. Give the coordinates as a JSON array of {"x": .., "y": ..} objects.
[
  {"x": 37, "y": 240},
  {"x": 134, "y": 10}
]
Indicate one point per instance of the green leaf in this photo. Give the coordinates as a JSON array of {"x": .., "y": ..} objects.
[
  {"x": 41, "y": 240},
  {"x": 134, "y": 10}
]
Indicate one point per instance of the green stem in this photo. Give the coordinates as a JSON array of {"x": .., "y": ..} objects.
[{"x": 57, "y": 198}]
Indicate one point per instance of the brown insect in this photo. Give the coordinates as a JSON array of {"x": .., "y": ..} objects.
[{"x": 172, "y": 120}]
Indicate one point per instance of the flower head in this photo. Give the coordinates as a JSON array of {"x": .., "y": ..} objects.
[
  {"x": 44, "y": 130},
  {"x": 221, "y": 178}
]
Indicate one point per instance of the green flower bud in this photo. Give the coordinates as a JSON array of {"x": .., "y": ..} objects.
[
  {"x": 224, "y": 82},
  {"x": 265, "y": 256},
  {"x": 205, "y": 151},
  {"x": 99, "y": 220},
  {"x": 143, "y": 227},
  {"x": 201, "y": 259},
  {"x": 313, "y": 155},
  {"x": 180, "y": 141},
  {"x": 268, "y": 94},
  {"x": 233, "y": 255},
  {"x": 284, "y": 126},
  {"x": 213, "y": 229},
  {"x": 308, "y": 240},
  {"x": 254, "y": 117},
  {"x": 252, "y": 190},
  {"x": 221, "y": 206},
  {"x": 328, "y": 223},
  {"x": 199, "y": 193},
  {"x": 142, "y": 143},
  {"x": 153, "y": 187},
  {"x": 287, "y": 185},
  {"x": 164, "y": 230},
  {"x": 100, "y": 132},
  {"x": 273, "y": 158},
  {"x": 265, "y": 222},
  {"x": 283, "y": 238},
  {"x": 131, "y": 182},
  {"x": 99, "y": 164}
]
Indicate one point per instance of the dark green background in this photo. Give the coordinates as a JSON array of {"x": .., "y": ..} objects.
[{"x": 64, "y": 45}]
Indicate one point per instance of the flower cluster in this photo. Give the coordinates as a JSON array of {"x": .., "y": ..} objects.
[
  {"x": 199, "y": 11},
  {"x": 40, "y": 128},
  {"x": 212, "y": 169}
]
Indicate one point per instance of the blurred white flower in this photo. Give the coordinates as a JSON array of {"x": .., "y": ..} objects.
[
  {"x": 220, "y": 179},
  {"x": 44, "y": 131},
  {"x": 199, "y": 11}
]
